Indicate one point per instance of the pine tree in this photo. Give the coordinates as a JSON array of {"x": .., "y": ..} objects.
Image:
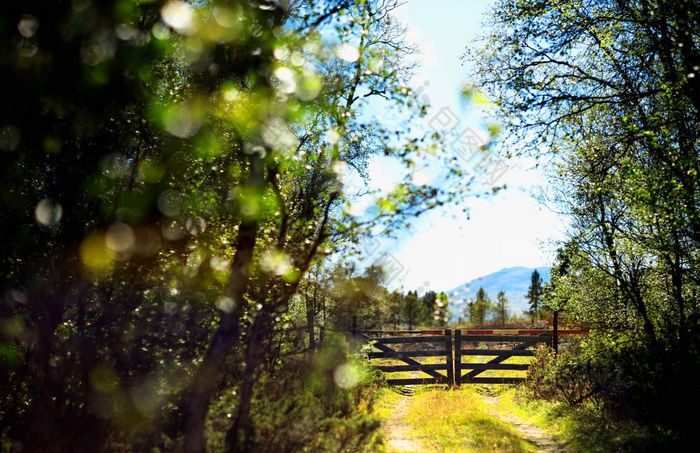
[
  {"x": 479, "y": 308},
  {"x": 429, "y": 299},
  {"x": 534, "y": 294},
  {"x": 413, "y": 310},
  {"x": 502, "y": 307}
]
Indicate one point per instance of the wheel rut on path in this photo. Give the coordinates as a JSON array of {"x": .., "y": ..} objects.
[
  {"x": 396, "y": 430},
  {"x": 528, "y": 432}
]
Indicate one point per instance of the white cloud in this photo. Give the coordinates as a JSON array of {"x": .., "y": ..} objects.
[
  {"x": 509, "y": 229},
  {"x": 445, "y": 249}
]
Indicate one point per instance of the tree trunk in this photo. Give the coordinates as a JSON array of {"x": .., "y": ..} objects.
[
  {"x": 228, "y": 332},
  {"x": 241, "y": 435},
  {"x": 311, "y": 318}
]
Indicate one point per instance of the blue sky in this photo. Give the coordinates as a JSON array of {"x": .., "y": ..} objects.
[{"x": 445, "y": 248}]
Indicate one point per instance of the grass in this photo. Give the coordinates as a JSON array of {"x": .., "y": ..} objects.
[
  {"x": 454, "y": 421},
  {"x": 459, "y": 421},
  {"x": 579, "y": 429},
  {"x": 386, "y": 402}
]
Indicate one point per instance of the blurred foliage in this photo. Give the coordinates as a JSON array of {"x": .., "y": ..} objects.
[{"x": 170, "y": 172}]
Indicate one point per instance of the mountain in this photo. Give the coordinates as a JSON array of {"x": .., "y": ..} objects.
[{"x": 514, "y": 281}]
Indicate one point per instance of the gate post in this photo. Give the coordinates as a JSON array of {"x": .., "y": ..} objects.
[
  {"x": 448, "y": 357},
  {"x": 458, "y": 357},
  {"x": 555, "y": 334}
]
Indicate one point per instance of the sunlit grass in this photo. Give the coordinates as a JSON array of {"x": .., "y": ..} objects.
[
  {"x": 454, "y": 421},
  {"x": 579, "y": 429},
  {"x": 387, "y": 401}
]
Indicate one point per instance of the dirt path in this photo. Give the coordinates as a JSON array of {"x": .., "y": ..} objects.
[
  {"x": 529, "y": 432},
  {"x": 469, "y": 434},
  {"x": 396, "y": 431}
]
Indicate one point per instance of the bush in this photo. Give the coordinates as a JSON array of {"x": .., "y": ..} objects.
[
  {"x": 565, "y": 377},
  {"x": 653, "y": 386},
  {"x": 310, "y": 403}
]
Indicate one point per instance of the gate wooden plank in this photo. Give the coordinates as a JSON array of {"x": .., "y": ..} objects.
[
  {"x": 496, "y": 366},
  {"x": 521, "y": 347},
  {"x": 498, "y": 352},
  {"x": 506, "y": 338},
  {"x": 525, "y": 331},
  {"x": 415, "y": 381},
  {"x": 421, "y": 367},
  {"x": 458, "y": 357},
  {"x": 399, "y": 332},
  {"x": 394, "y": 340},
  {"x": 401, "y": 355},
  {"x": 448, "y": 357}
]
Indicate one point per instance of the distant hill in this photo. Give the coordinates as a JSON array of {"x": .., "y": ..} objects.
[{"x": 514, "y": 281}]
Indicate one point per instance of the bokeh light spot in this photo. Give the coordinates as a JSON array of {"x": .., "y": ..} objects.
[
  {"x": 182, "y": 120},
  {"x": 275, "y": 261},
  {"x": 48, "y": 212},
  {"x": 179, "y": 15},
  {"x": 120, "y": 237},
  {"x": 195, "y": 225},
  {"x": 28, "y": 25},
  {"x": 347, "y": 52},
  {"x": 285, "y": 80},
  {"x": 219, "y": 264},
  {"x": 170, "y": 203},
  {"x": 225, "y": 304},
  {"x": 95, "y": 255},
  {"x": 346, "y": 376},
  {"x": 309, "y": 86}
]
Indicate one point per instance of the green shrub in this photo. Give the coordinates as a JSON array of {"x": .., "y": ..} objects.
[
  {"x": 622, "y": 381},
  {"x": 310, "y": 403}
]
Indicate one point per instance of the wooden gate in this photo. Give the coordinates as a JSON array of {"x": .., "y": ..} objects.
[
  {"x": 418, "y": 344},
  {"x": 509, "y": 344},
  {"x": 408, "y": 345}
]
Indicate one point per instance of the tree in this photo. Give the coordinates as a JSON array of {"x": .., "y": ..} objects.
[
  {"x": 479, "y": 308},
  {"x": 501, "y": 308},
  {"x": 613, "y": 90},
  {"x": 429, "y": 299},
  {"x": 534, "y": 294},
  {"x": 628, "y": 146},
  {"x": 441, "y": 313},
  {"x": 436, "y": 305},
  {"x": 361, "y": 296},
  {"x": 394, "y": 309},
  {"x": 413, "y": 311}
]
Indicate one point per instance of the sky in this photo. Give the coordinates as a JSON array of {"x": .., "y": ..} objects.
[{"x": 445, "y": 248}]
